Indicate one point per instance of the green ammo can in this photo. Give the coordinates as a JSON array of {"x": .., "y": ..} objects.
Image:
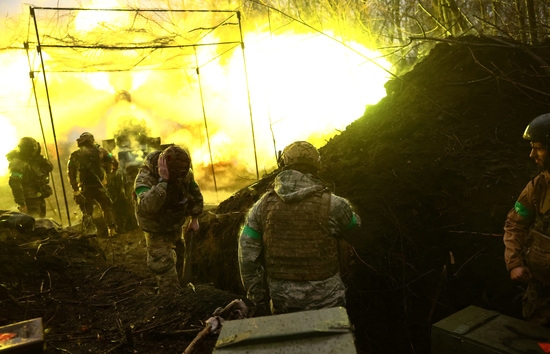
[
  {"x": 317, "y": 331},
  {"x": 475, "y": 330},
  {"x": 22, "y": 337}
]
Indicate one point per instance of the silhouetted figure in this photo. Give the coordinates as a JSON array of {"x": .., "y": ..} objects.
[
  {"x": 87, "y": 171},
  {"x": 29, "y": 177}
]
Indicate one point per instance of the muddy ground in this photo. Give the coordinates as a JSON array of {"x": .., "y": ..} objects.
[{"x": 432, "y": 170}]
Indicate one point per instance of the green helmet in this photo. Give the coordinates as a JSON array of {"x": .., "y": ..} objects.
[
  {"x": 301, "y": 153},
  {"x": 28, "y": 146},
  {"x": 539, "y": 129},
  {"x": 177, "y": 161}
]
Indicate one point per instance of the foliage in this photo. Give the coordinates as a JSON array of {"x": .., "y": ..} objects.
[{"x": 405, "y": 28}]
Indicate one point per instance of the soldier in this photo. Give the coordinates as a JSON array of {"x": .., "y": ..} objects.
[
  {"x": 87, "y": 172},
  {"x": 527, "y": 229},
  {"x": 166, "y": 194},
  {"x": 29, "y": 177},
  {"x": 288, "y": 246}
]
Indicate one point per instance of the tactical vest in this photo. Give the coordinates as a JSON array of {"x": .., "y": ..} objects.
[
  {"x": 297, "y": 242},
  {"x": 90, "y": 170},
  {"x": 537, "y": 251}
]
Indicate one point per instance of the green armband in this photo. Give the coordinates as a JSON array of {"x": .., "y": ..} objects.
[
  {"x": 352, "y": 223},
  {"x": 250, "y": 232},
  {"x": 140, "y": 190},
  {"x": 522, "y": 210}
]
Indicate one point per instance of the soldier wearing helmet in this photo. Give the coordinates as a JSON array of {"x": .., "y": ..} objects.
[
  {"x": 527, "y": 229},
  {"x": 289, "y": 243},
  {"x": 29, "y": 177},
  {"x": 87, "y": 171},
  {"x": 166, "y": 196}
]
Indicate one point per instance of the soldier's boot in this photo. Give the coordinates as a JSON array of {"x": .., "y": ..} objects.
[
  {"x": 88, "y": 226},
  {"x": 112, "y": 231},
  {"x": 168, "y": 282}
]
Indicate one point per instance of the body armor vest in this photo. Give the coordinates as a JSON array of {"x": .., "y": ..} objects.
[
  {"x": 298, "y": 244},
  {"x": 89, "y": 162}
]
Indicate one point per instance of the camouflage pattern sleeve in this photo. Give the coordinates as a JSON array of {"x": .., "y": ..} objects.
[
  {"x": 250, "y": 263},
  {"x": 151, "y": 195},
  {"x": 16, "y": 168},
  {"x": 516, "y": 228},
  {"x": 342, "y": 217}
]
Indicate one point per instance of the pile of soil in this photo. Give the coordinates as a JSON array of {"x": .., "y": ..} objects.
[{"x": 432, "y": 170}]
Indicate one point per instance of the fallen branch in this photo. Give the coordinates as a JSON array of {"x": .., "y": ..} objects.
[
  {"x": 180, "y": 332},
  {"x": 440, "y": 285},
  {"x": 105, "y": 272},
  {"x": 157, "y": 325},
  {"x": 236, "y": 309},
  {"x": 49, "y": 240},
  {"x": 202, "y": 334},
  {"x": 60, "y": 349},
  {"x": 468, "y": 261},
  {"x": 475, "y": 233}
]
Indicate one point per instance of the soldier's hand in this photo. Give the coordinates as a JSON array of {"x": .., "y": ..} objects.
[
  {"x": 22, "y": 208},
  {"x": 163, "y": 168},
  {"x": 520, "y": 274},
  {"x": 193, "y": 225}
]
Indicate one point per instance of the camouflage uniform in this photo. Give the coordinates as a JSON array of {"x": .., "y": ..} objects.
[
  {"x": 525, "y": 232},
  {"x": 29, "y": 179},
  {"x": 288, "y": 295},
  {"x": 87, "y": 170},
  {"x": 161, "y": 211}
]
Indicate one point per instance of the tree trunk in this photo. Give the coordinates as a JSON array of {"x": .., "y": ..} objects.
[
  {"x": 520, "y": 9},
  {"x": 532, "y": 21}
]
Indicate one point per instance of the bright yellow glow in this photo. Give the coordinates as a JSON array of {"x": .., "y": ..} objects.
[
  {"x": 88, "y": 20},
  {"x": 8, "y": 142},
  {"x": 302, "y": 86}
]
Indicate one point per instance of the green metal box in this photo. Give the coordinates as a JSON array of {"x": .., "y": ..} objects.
[
  {"x": 319, "y": 331},
  {"x": 475, "y": 330},
  {"x": 22, "y": 337}
]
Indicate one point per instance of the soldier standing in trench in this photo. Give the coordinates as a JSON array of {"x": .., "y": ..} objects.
[
  {"x": 289, "y": 244},
  {"x": 527, "y": 229},
  {"x": 87, "y": 171},
  {"x": 166, "y": 194},
  {"x": 29, "y": 177}
]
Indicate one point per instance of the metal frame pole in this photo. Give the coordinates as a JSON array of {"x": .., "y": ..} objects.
[
  {"x": 31, "y": 75},
  {"x": 248, "y": 95},
  {"x": 205, "y": 122},
  {"x": 50, "y": 111}
]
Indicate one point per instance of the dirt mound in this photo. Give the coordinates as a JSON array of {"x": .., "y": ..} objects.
[
  {"x": 96, "y": 295},
  {"x": 432, "y": 170}
]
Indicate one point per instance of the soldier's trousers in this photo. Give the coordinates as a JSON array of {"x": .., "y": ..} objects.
[
  {"x": 97, "y": 194},
  {"x": 162, "y": 258},
  {"x": 36, "y": 207}
]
